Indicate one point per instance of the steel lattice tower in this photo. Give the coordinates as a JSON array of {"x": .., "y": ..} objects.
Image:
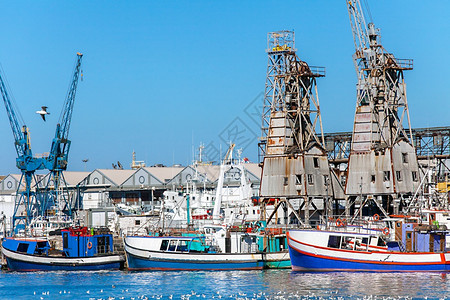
[
  {"x": 295, "y": 161},
  {"x": 383, "y": 168}
]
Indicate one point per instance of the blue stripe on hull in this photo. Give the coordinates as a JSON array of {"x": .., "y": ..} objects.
[
  {"x": 136, "y": 263},
  {"x": 305, "y": 262},
  {"x": 16, "y": 265}
]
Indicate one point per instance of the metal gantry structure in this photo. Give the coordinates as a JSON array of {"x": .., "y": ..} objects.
[
  {"x": 31, "y": 203},
  {"x": 290, "y": 93},
  {"x": 383, "y": 170},
  {"x": 295, "y": 161},
  {"x": 59, "y": 152},
  {"x": 25, "y": 161},
  {"x": 431, "y": 142}
]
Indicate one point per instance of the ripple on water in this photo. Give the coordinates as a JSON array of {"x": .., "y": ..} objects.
[{"x": 270, "y": 284}]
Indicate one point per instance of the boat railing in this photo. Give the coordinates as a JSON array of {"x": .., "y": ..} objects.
[{"x": 360, "y": 225}]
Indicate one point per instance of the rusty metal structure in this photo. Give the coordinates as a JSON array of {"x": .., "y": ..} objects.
[
  {"x": 295, "y": 165},
  {"x": 383, "y": 171},
  {"x": 431, "y": 142}
]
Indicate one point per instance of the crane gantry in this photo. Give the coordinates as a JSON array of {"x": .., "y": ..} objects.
[
  {"x": 382, "y": 163},
  {"x": 27, "y": 204},
  {"x": 59, "y": 153}
]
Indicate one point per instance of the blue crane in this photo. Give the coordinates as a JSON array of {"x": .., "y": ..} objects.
[
  {"x": 29, "y": 203},
  {"x": 59, "y": 153},
  {"x": 25, "y": 161}
]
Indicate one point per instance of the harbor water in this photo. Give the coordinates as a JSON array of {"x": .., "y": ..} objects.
[{"x": 268, "y": 284}]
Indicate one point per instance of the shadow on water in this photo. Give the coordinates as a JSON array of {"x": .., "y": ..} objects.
[{"x": 269, "y": 284}]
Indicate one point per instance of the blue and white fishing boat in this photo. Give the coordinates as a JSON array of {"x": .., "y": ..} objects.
[
  {"x": 413, "y": 248},
  {"x": 184, "y": 253},
  {"x": 82, "y": 250}
]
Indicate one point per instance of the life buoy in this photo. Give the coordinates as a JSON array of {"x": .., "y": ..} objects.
[
  {"x": 376, "y": 217},
  {"x": 385, "y": 231},
  {"x": 339, "y": 223},
  {"x": 89, "y": 245}
]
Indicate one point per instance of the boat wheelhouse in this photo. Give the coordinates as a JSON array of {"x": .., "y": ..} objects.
[{"x": 82, "y": 250}]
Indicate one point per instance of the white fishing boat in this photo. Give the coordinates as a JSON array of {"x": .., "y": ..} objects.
[{"x": 413, "y": 247}]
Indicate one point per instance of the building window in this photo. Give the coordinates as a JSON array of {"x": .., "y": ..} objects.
[
  {"x": 325, "y": 180},
  {"x": 414, "y": 176},
  {"x": 343, "y": 180},
  {"x": 137, "y": 222},
  {"x": 310, "y": 179},
  {"x": 405, "y": 158},
  {"x": 298, "y": 179},
  {"x": 398, "y": 174},
  {"x": 387, "y": 176},
  {"x": 372, "y": 178},
  {"x": 316, "y": 162},
  {"x": 286, "y": 180}
]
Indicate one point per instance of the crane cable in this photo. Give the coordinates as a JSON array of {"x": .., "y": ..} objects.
[
  {"x": 11, "y": 96},
  {"x": 367, "y": 8}
]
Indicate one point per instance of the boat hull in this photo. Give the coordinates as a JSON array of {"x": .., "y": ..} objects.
[
  {"x": 307, "y": 256},
  {"x": 144, "y": 259},
  {"x": 277, "y": 260},
  {"x": 24, "y": 262}
]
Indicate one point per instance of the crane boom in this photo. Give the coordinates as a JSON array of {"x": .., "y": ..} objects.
[
  {"x": 26, "y": 203},
  {"x": 382, "y": 162},
  {"x": 58, "y": 159},
  {"x": 60, "y": 146},
  {"x": 20, "y": 141},
  {"x": 358, "y": 24},
  {"x": 68, "y": 105}
]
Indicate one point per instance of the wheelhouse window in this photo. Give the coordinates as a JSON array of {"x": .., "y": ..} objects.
[
  {"x": 164, "y": 245},
  {"x": 365, "y": 243},
  {"x": 348, "y": 242},
  {"x": 387, "y": 176},
  {"x": 182, "y": 246},
  {"x": 334, "y": 241},
  {"x": 381, "y": 243},
  {"x": 414, "y": 176},
  {"x": 65, "y": 240},
  {"x": 285, "y": 180},
  {"x": 172, "y": 245},
  {"x": 23, "y": 247}
]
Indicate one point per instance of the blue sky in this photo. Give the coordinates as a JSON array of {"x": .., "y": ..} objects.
[{"x": 162, "y": 76}]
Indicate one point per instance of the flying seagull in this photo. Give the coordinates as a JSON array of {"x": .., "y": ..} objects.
[{"x": 43, "y": 112}]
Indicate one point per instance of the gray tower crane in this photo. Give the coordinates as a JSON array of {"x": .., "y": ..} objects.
[
  {"x": 295, "y": 167},
  {"x": 383, "y": 172}
]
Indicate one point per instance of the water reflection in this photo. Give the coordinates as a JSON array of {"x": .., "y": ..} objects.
[
  {"x": 270, "y": 284},
  {"x": 361, "y": 284}
]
